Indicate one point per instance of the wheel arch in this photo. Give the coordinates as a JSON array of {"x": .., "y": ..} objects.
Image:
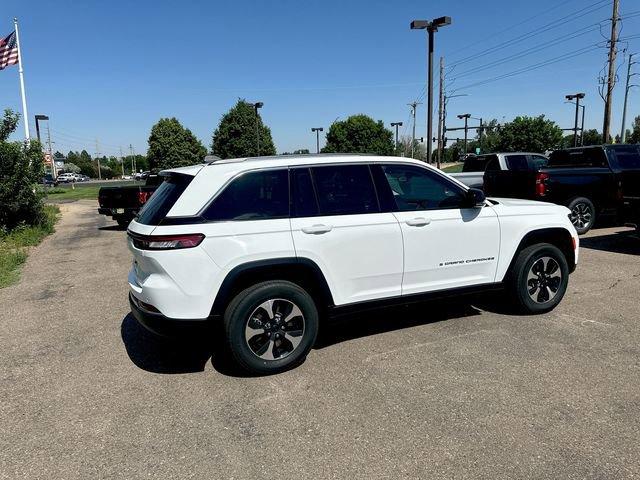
[
  {"x": 301, "y": 271},
  {"x": 557, "y": 236}
]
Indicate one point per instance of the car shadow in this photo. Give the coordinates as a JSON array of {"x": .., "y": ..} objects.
[
  {"x": 344, "y": 328},
  {"x": 627, "y": 241},
  {"x": 112, "y": 228},
  {"x": 190, "y": 353}
]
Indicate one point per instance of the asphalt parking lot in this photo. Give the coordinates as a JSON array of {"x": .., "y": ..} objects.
[{"x": 443, "y": 390}]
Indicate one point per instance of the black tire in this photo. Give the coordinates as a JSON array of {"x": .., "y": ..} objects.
[
  {"x": 247, "y": 307},
  {"x": 123, "y": 221},
  {"x": 529, "y": 293},
  {"x": 583, "y": 214}
]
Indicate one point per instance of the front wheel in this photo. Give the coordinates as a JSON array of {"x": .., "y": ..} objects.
[
  {"x": 123, "y": 222},
  {"x": 539, "y": 278},
  {"x": 270, "y": 327},
  {"x": 583, "y": 214}
]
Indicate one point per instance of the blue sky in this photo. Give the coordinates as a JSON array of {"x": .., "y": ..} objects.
[{"x": 109, "y": 70}]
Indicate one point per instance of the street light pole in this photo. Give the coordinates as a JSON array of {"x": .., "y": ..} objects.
[
  {"x": 396, "y": 124},
  {"x": 582, "y": 127},
  {"x": 256, "y": 106},
  {"x": 317, "y": 130},
  {"x": 431, "y": 27},
  {"x": 576, "y": 97}
]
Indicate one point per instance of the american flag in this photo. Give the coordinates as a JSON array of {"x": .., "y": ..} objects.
[{"x": 8, "y": 50}]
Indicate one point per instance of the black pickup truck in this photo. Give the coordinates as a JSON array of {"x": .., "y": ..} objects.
[
  {"x": 124, "y": 203},
  {"x": 590, "y": 181}
]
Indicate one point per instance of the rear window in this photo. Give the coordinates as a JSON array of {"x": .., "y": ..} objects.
[
  {"x": 163, "y": 199},
  {"x": 345, "y": 190},
  {"x": 588, "y": 157},
  {"x": 628, "y": 157},
  {"x": 477, "y": 163},
  {"x": 257, "y": 195},
  {"x": 517, "y": 163}
]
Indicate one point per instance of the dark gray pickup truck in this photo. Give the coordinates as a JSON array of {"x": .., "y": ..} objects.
[
  {"x": 123, "y": 203},
  {"x": 589, "y": 180}
]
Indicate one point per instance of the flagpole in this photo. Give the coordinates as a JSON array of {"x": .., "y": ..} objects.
[{"x": 25, "y": 120}]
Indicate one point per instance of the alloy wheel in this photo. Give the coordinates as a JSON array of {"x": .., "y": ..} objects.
[
  {"x": 544, "y": 279},
  {"x": 581, "y": 215},
  {"x": 274, "y": 329}
]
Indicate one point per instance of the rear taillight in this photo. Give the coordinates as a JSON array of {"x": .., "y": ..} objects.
[
  {"x": 541, "y": 186},
  {"x": 166, "y": 242},
  {"x": 143, "y": 197}
]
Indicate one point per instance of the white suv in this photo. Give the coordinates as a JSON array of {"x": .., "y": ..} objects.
[{"x": 271, "y": 245}]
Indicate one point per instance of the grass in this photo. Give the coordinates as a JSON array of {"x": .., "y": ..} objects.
[
  {"x": 452, "y": 168},
  {"x": 58, "y": 193},
  {"x": 14, "y": 245}
]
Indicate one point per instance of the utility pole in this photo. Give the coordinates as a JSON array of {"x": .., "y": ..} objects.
[
  {"x": 133, "y": 160},
  {"x": 257, "y": 106},
  {"x": 396, "y": 124},
  {"x": 623, "y": 133},
  {"x": 466, "y": 117},
  {"x": 98, "y": 159},
  {"x": 606, "y": 127},
  {"x": 122, "y": 161},
  {"x": 413, "y": 106},
  {"x": 440, "y": 112},
  {"x": 480, "y": 135},
  {"x": 53, "y": 160},
  {"x": 576, "y": 97}
]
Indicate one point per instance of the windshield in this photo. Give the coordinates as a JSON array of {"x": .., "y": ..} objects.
[{"x": 163, "y": 199}]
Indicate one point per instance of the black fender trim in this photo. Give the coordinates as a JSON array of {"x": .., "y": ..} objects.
[{"x": 274, "y": 268}]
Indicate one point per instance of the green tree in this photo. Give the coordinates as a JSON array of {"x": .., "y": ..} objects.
[
  {"x": 359, "y": 134},
  {"x": 591, "y": 137},
  {"x": 529, "y": 134},
  {"x": 404, "y": 148},
  {"x": 635, "y": 133},
  {"x": 236, "y": 135},
  {"x": 171, "y": 145},
  {"x": 21, "y": 168}
]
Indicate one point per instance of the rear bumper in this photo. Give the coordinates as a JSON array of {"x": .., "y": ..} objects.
[
  {"x": 165, "y": 326},
  {"x": 124, "y": 212}
]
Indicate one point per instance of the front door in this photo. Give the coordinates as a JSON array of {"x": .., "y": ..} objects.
[{"x": 445, "y": 245}]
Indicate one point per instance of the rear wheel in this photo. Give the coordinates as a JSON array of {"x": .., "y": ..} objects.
[
  {"x": 123, "y": 221},
  {"x": 583, "y": 214},
  {"x": 539, "y": 278},
  {"x": 270, "y": 327}
]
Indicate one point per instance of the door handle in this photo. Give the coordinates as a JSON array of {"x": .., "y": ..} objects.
[
  {"x": 317, "y": 229},
  {"x": 418, "y": 222}
]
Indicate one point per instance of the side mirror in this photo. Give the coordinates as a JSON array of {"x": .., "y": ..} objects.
[{"x": 474, "y": 198}]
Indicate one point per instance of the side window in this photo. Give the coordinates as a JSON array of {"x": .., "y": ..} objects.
[
  {"x": 303, "y": 197},
  {"x": 416, "y": 188},
  {"x": 517, "y": 163},
  {"x": 345, "y": 190},
  {"x": 257, "y": 195},
  {"x": 628, "y": 157},
  {"x": 537, "y": 161}
]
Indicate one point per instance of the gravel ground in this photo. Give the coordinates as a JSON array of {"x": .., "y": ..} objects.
[{"x": 442, "y": 390}]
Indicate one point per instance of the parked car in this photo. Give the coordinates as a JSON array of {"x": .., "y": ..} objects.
[
  {"x": 67, "y": 178},
  {"x": 270, "y": 246},
  {"x": 49, "y": 181},
  {"x": 474, "y": 166},
  {"x": 590, "y": 181},
  {"x": 123, "y": 203},
  {"x": 141, "y": 175},
  {"x": 83, "y": 178}
]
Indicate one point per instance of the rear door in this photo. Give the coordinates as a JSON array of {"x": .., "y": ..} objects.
[
  {"x": 445, "y": 245},
  {"x": 338, "y": 223},
  {"x": 627, "y": 158}
]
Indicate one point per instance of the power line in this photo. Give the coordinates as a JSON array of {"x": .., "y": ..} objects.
[
  {"x": 529, "y": 51},
  {"x": 535, "y": 66},
  {"x": 516, "y": 25},
  {"x": 551, "y": 25}
]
